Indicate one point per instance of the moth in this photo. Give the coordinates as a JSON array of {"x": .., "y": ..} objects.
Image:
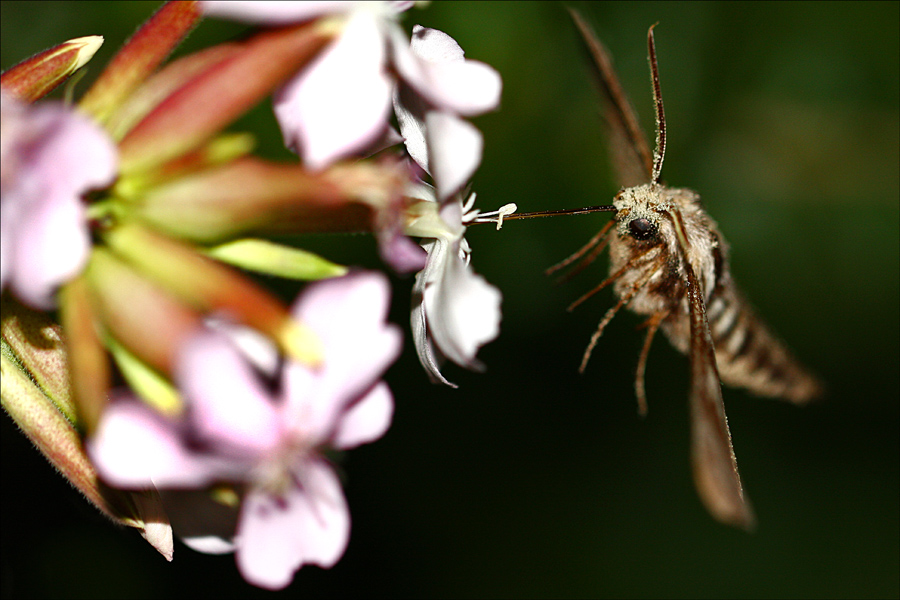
[{"x": 669, "y": 263}]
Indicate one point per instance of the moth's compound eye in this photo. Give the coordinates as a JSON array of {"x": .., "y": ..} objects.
[{"x": 642, "y": 229}]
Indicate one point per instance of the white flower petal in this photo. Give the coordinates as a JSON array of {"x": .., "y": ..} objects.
[
  {"x": 435, "y": 67},
  {"x": 468, "y": 88},
  {"x": 435, "y": 46},
  {"x": 258, "y": 349},
  {"x": 272, "y": 12},
  {"x": 339, "y": 104},
  {"x": 418, "y": 319},
  {"x": 463, "y": 311},
  {"x": 454, "y": 151},
  {"x": 410, "y": 111}
]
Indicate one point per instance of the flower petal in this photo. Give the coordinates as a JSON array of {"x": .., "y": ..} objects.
[
  {"x": 366, "y": 420},
  {"x": 307, "y": 524},
  {"x": 340, "y": 103},
  {"x": 410, "y": 110},
  {"x": 135, "y": 447},
  {"x": 463, "y": 311},
  {"x": 266, "y": 12},
  {"x": 435, "y": 67},
  {"x": 50, "y": 156},
  {"x": 400, "y": 252},
  {"x": 348, "y": 315},
  {"x": 454, "y": 151},
  {"x": 228, "y": 406},
  {"x": 418, "y": 319}
]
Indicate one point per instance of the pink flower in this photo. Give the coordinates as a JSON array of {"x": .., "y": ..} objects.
[
  {"x": 236, "y": 429},
  {"x": 50, "y": 156}
]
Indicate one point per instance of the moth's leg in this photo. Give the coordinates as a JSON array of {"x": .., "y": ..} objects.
[
  {"x": 598, "y": 243},
  {"x": 625, "y": 299},
  {"x": 640, "y": 391},
  {"x": 645, "y": 256}
]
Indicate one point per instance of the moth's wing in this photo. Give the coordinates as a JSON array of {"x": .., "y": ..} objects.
[
  {"x": 630, "y": 154},
  {"x": 712, "y": 455}
]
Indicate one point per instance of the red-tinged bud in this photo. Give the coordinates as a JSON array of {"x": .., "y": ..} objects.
[
  {"x": 57, "y": 438},
  {"x": 212, "y": 288},
  {"x": 39, "y": 75},
  {"x": 48, "y": 429},
  {"x": 140, "y": 57},
  {"x": 88, "y": 361},
  {"x": 217, "y": 94},
  {"x": 37, "y": 342},
  {"x": 150, "y": 323},
  {"x": 251, "y": 195}
]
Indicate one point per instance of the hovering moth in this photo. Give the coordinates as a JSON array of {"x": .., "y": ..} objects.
[{"x": 669, "y": 263}]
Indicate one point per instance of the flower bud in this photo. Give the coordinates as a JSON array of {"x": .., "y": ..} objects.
[{"x": 37, "y": 76}]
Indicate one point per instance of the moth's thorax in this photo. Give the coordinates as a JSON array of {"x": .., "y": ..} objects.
[{"x": 646, "y": 238}]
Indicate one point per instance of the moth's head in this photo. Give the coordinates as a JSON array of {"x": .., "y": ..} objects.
[{"x": 639, "y": 212}]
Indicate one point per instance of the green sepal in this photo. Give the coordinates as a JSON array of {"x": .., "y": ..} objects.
[
  {"x": 263, "y": 256},
  {"x": 153, "y": 388}
]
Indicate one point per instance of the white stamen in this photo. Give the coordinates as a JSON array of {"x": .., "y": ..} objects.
[{"x": 496, "y": 216}]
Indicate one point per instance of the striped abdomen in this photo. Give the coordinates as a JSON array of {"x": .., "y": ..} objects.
[{"x": 748, "y": 355}]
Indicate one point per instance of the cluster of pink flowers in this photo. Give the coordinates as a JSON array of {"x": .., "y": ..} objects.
[{"x": 133, "y": 213}]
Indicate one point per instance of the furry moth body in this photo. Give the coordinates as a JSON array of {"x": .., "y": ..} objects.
[{"x": 669, "y": 262}]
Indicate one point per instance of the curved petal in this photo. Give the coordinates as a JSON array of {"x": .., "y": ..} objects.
[
  {"x": 467, "y": 88},
  {"x": 339, "y": 104},
  {"x": 463, "y": 312},
  {"x": 307, "y": 524},
  {"x": 435, "y": 46},
  {"x": 400, "y": 252},
  {"x": 366, "y": 420},
  {"x": 435, "y": 67},
  {"x": 437, "y": 250},
  {"x": 51, "y": 248},
  {"x": 227, "y": 405},
  {"x": 454, "y": 147},
  {"x": 258, "y": 349},
  {"x": 135, "y": 447},
  {"x": 410, "y": 111},
  {"x": 50, "y": 157},
  {"x": 348, "y": 315}
]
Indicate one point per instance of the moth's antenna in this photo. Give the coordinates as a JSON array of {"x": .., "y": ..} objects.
[
  {"x": 660, "y": 152},
  {"x": 503, "y": 215}
]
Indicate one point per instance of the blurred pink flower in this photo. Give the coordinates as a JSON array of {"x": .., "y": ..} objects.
[
  {"x": 50, "y": 156},
  {"x": 236, "y": 429}
]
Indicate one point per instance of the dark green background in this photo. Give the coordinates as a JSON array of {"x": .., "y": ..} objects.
[{"x": 531, "y": 480}]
